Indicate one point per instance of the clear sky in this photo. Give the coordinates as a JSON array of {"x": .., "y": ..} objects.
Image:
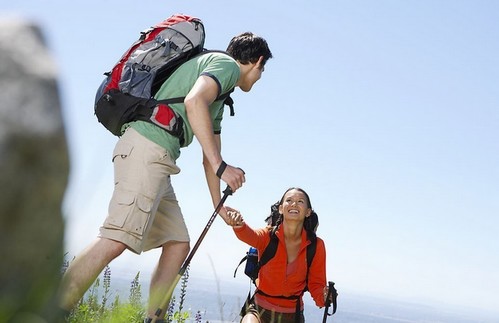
[{"x": 386, "y": 112}]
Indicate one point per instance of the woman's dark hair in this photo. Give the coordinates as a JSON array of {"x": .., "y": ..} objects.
[
  {"x": 248, "y": 47},
  {"x": 311, "y": 222}
]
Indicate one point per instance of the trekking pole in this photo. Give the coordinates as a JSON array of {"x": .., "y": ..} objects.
[
  {"x": 169, "y": 293},
  {"x": 331, "y": 293}
]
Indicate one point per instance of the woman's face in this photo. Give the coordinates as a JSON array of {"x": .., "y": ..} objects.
[{"x": 294, "y": 206}]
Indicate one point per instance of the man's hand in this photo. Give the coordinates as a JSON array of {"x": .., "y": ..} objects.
[{"x": 233, "y": 176}]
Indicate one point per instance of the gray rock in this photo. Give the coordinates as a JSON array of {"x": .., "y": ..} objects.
[{"x": 34, "y": 167}]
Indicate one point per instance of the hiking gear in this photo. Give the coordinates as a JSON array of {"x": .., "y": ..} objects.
[
  {"x": 330, "y": 292},
  {"x": 127, "y": 92},
  {"x": 252, "y": 269},
  {"x": 168, "y": 295},
  {"x": 152, "y": 58}
]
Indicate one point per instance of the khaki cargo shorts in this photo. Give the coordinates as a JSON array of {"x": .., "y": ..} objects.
[{"x": 143, "y": 211}]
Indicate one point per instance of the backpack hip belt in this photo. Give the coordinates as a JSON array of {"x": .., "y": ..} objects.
[{"x": 115, "y": 108}]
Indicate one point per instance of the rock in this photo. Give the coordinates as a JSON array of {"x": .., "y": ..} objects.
[{"x": 34, "y": 167}]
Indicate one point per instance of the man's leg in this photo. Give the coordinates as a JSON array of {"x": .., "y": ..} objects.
[
  {"x": 85, "y": 268},
  {"x": 172, "y": 257},
  {"x": 250, "y": 318}
]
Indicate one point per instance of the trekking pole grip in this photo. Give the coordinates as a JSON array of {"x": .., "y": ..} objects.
[
  {"x": 331, "y": 292},
  {"x": 228, "y": 191}
]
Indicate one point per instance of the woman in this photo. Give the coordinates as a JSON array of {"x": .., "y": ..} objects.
[{"x": 282, "y": 281}]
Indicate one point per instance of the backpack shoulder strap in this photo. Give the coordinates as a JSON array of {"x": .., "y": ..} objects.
[
  {"x": 224, "y": 96},
  {"x": 228, "y": 101},
  {"x": 311, "y": 249},
  {"x": 270, "y": 250}
]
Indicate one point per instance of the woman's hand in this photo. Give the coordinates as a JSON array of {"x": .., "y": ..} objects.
[
  {"x": 234, "y": 217},
  {"x": 331, "y": 297}
]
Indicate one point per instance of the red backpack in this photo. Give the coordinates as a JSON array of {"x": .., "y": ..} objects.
[{"x": 127, "y": 92}]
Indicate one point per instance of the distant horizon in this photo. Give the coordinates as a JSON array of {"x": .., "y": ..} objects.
[{"x": 349, "y": 302}]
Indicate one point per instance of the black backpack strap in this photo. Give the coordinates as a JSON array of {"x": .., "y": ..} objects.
[
  {"x": 242, "y": 260},
  {"x": 228, "y": 101},
  {"x": 225, "y": 96},
  {"x": 258, "y": 291},
  {"x": 270, "y": 250},
  {"x": 311, "y": 249}
]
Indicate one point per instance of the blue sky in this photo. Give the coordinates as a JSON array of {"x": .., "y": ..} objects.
[{"x": 386, "y": 112}]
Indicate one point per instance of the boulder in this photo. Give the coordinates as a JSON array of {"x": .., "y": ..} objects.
[{"x": 34, "y": 167}]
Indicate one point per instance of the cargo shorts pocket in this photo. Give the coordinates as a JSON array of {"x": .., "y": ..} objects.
[
  {"x": 122, "y": 150},
  {"x": 129, "y": 211}
]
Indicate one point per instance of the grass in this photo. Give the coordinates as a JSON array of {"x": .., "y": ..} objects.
[{"x": 96, "y": 305}]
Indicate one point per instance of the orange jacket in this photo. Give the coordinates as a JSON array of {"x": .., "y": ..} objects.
[{"x": 272, "y": 278}]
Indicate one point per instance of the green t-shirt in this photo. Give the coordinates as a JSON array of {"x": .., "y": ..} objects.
[{"x": 219, "y": 66}]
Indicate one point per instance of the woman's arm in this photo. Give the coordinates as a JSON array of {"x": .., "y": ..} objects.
[
  {"x": 317, "y": 274},
  {"x": 258, "y": 238}
]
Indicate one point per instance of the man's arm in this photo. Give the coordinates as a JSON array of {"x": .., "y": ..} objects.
[
  {"x": 203, "y": 93},
  {"x": 212, "y": 179}
]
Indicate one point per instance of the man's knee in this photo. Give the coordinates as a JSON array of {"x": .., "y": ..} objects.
[
  {"x": 111, "y": 248},
  {"x": 178, "y": 248},
  {"x": 117, "y": 248},
  {"x": 250, "y": 318}
]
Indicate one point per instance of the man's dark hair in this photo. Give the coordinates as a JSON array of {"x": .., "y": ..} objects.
[{"x": 248, "y": 47}]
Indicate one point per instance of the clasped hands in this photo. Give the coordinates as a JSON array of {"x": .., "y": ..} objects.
[{"x": 233, "y": 217}]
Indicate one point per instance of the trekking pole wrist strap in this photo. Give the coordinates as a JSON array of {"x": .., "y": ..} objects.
[{"x": 221, "y": 169}]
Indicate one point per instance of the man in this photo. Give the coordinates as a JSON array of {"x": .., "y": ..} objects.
[{"x": 144, "y": 212}]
